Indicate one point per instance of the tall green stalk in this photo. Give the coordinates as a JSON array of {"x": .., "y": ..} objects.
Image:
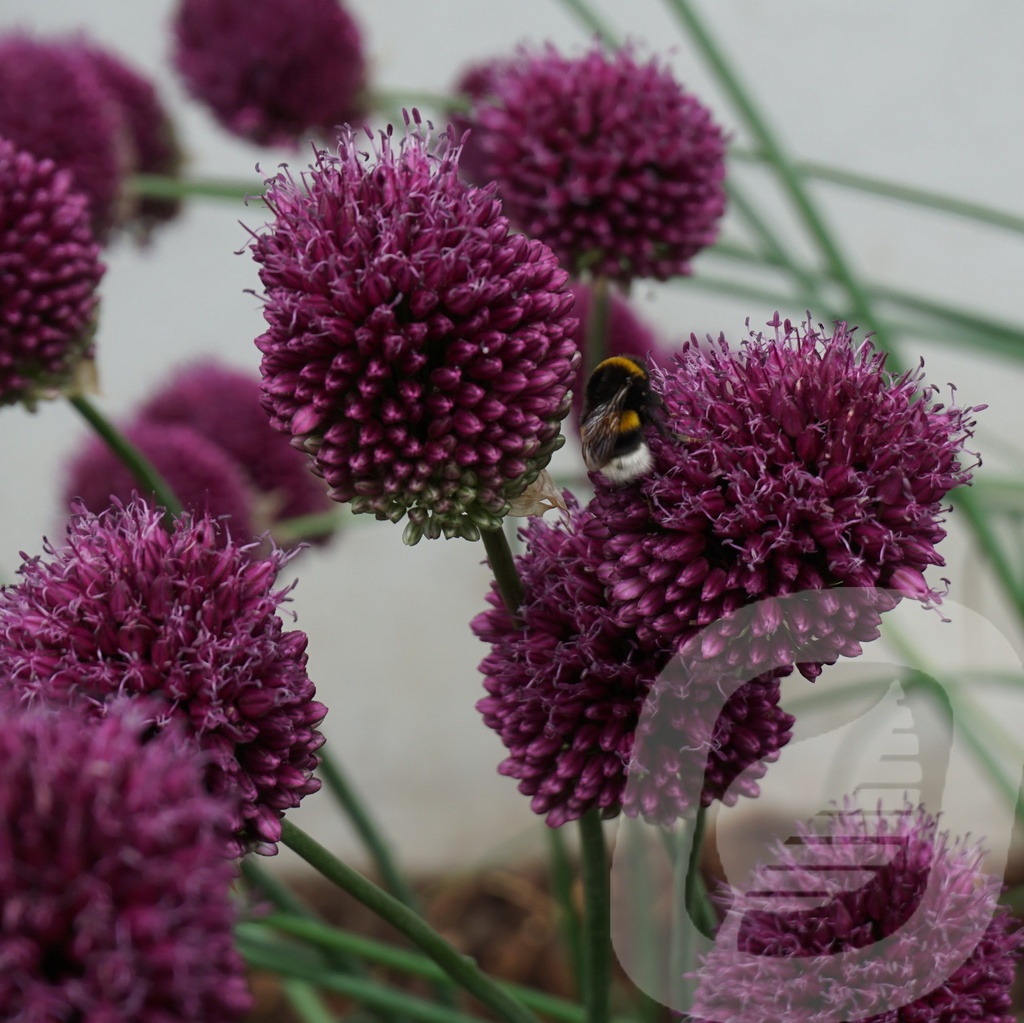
[{"x": 597, "y": 931}]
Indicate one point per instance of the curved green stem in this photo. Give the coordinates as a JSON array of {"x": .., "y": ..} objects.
[
  {"x": 156, "y": 186},
  {"x": 367, "y": 830},
  {"x": 503, "y": 565},
  {"x": 598, "y": 326},
  {"x": 596, "y": 918},
  {"x": 149, "y": 479},
  {"x": 306, "y": 527},
  {"x": 783, "y": 166},
  {"x": 587, "y": 17},
  {"x": 892, "y": 190},
  {"x": 695, "y": 894},
  {"x": 462, "y": 969}
]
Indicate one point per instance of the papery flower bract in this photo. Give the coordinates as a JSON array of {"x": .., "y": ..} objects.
[
  {"x": 54, "y": 105},
  {"x": 50, "y": 267},
  {"x": 115, "y": 887},
  {"x": 223, "y": 405},
  {"x": 272, "y": 72},
  {"x": 602, "y": 157},
  {"x": 567, "y": 686},
  {"x": 870, "y": 878},
  {"x": 153, "y": 135},
  {"x": 204, "y": 478},
  {"x": 187, "y": 620},
  {"x": 794, "y": 463},
  {"x": 417, "y": 349}
]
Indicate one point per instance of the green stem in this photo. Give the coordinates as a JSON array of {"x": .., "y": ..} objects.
[
  {"x": 499, "y": 555},
  {"x": 787, "y": 174},
  {"x": 289, "y": 532},
  {"x": 561, "y": 876},
  {"x": 370, "y": 835},
  {"x": 892, "y": 190},
  {"x": 406, "y": 99},
  {"x": 360, "y": 989},
  {"x": 462, "y": 969},
  {"x": 695, "y": 897},
  {"x": 156, "y": 186},
  {"x": 337, "y": 941},
  {"x": 149, "y": 479},
  {"x": 306, "y": 1002},
  {"x": 598, "y": 326},
  {"x": 596, "y": 918},
  {"x": 588, "y": 18}
]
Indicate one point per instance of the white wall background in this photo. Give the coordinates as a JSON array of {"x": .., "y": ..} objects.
[{"x": 928, "y": 92}]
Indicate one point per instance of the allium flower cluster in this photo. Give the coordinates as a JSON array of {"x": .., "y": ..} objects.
[
  {"x": 270, "y": 72},
  {"x": 602, "y": 157},
  {"x": 153, "y": 136},
  {"x": 793, "y": 463},
  {"x": 54, "y": 105},
  {"x": 50, "y": 267},
  {"x": 415, "y": 347},
  {"x": 924, "y": 912},
  {"x": 568, "y": 686},
  {"x": 188, "y": 621},
  {"x": 82, "y": 106},
  {"x": 795, "y": 496},
  {"x": 113, "y": 879},
  {"x": 207, "y": 435}
]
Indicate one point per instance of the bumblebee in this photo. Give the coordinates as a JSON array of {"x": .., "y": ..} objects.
[{"x": 617, "y": 406}]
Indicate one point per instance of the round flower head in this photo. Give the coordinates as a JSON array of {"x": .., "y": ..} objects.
[
  {"x": 54, "y": 105},
  {"x": 270, "y": 72},
  {"x": 113, "y": 878},
  {"x": 795, "y": 463},
  {"x": 868, "y": 910},
  {"x": 153, "y": 136},
  {"x": 604, "y": 158},
  {"x": 187, "y": 620},
  {"x": 223, "y": 405},
  {"x": 50, "y": 266},
  {"x": 567, "y": 687},
  {"x": 202, "y": 476},
  {"x": 417, "y": 349}
]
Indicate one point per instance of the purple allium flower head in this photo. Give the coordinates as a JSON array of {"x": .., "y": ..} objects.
[
  {"x": 54, "y": 105},
  {"x": 913, "y": 902},
  {"x": 223, "y": 405},
  {"x": 113, "y": 878},
  {"x": 270, "y": 72},
  {"x": 201, "y": 475},
  {"x": 153, "y": 135},
  {"x": 567, "y": 687},
  {"x": 50, "y": 267},
  {"x": 187, "y": 620},
  {"x": 419, "y": 351},
  {"x": 794, "y": 463},
  {"x": 602, "y": 157}
]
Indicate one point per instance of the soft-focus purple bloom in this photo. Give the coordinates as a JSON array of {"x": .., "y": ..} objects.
[
  {"x": 567, "y": 688},
  {"x": 223, "y": 405},
  {"x": 50, "y": 267},
  {"x": 208, "y": 436},
  {"x": 113, "y": 879},
  {"x": 792, "y": 463},
  {"x": 625, "y": 334},
  {"x": 204, "y": 478},
  {"x": 271, "y": 72},
  {"x": 153, "y": 136},
  {"x": 885, "y": 877},
  {"x": 188, "y": 620},
  {"x": 416, "y": 348},
  {"x": 602, "y": 157},
  {"x": 54, "y": 105}
]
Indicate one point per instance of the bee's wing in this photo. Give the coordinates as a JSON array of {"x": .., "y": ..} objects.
[{"x": 599, "y": 430}]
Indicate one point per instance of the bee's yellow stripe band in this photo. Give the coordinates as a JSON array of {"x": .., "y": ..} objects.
[{"x": 631, "y": 367}]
